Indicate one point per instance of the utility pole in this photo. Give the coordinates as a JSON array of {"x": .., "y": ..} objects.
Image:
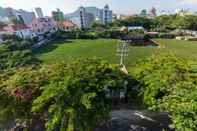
[{"x": 122, "y": 52}]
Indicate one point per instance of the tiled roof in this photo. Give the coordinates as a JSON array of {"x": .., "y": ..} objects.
[
  {"x": 19, "y": 27},
  {"x": 67, "y": 23}
]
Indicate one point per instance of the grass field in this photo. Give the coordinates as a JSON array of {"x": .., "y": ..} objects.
[{"x": 70, "y": 50}]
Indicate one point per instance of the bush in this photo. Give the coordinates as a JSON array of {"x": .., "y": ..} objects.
[
  {"x": 166, "y": 35},
  {"x": 169, "y": 84},
  {"x": 64, "y": 96}
]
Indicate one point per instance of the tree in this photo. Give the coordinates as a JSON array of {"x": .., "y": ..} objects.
[
  {"x": 138, "y": 21},
  {"x": 63, "y": 96},
  {"x": 76, "y": 96},
  {"x": 168, "y": 84},
  {"x": 143, "y": 13}
]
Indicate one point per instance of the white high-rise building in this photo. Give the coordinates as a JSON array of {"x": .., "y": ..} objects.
[
  {"x": 39, "y": 12},
  {"x": 23, "y": 16},
  {"x": 107, "y": 15},
  {"x": 85, "y": 16},
  {"x": 26, "y": 17},
  {"x": 81, "y": 18}
]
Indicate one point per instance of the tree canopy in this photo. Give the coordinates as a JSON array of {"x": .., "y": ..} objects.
[{"x": 168, "y": 83}]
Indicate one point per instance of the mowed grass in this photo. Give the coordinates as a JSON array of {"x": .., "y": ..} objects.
[{"x": 58, "y": 51}]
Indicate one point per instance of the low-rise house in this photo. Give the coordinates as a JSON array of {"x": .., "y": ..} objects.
[
  {"x": 131, "y": 28},
  {"x": 20, "y": 30},
  {"x": 66, "y": 25},
  {"x": 43, "y": 25}
]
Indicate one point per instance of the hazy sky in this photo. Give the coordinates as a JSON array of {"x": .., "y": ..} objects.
[{"x": 118, "y": 6}]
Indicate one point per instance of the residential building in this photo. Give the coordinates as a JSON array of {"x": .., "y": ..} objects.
[
  {"x": 96, "y": 12},
  {"x": 39, "y": 12},
  {"x": 21, "y": 30},
  {"x": 183, "y": 12},
  {"x": 123, "y": 17},
  {"x": 43, "y": 25},
  {"x": 103, "y": 16},
  {"x": 152, "y": 12},
  {"x": 58, "y": 15},
  {"x": 81, "y": 18},
  {"x": 26, "y": 17},
  {"x": 66, "y": 25},
  {"x": 23, "y": 16},
  {"x": 107, "y": 15}
]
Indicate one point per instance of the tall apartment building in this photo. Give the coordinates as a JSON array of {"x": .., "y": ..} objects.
[
  {"x": 39, "y": 12},
  {"x": 107, "y": 15},
  {"x": 25, "y": 17},
  {"x": 103, "y": 16},
  {"x": 58, "y": 15},
  {"x": 96, "y": 12},
  {"x": 83, "y": 17}
]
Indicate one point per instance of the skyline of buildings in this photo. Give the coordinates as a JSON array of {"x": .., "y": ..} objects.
[{"x": 85, "y": 16}]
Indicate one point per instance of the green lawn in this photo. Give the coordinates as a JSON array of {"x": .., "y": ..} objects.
[{"x": 69, "y": 50}]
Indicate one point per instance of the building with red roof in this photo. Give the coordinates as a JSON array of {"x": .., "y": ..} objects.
[
  {"x": 66, "y": 25},
  {"x": 20, "y": 30}
]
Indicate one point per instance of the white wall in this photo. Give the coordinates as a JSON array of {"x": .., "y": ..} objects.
[{"x": 25, "y": 33}]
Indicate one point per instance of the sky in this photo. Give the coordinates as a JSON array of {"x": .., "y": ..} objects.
[{"x": 118, "y": 6}]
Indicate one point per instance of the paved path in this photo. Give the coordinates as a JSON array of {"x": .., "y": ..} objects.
[{"x": 133, "y": 120}]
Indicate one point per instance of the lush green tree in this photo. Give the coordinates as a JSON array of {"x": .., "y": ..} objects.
[
  {"x": 138, "y": 21},
  {"x": 18, "y": 88},
  {"x": 75, "y": 98},
  {"x": 15, "y": 54},
  {"x": 166, "y": 22},
  {"x": 63, "y": 96},
  {"x": 163, "y": 22},
  {"x": 169, "y": 84}
]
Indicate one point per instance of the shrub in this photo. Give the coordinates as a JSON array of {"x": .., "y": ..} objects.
[
  {"x": 169, "y": 84},
  {"x": 166, "y": 35},
  {"x": 64, "y": 96}
]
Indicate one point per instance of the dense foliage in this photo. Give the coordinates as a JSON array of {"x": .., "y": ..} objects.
[
  {"x": 15, "y": 52},
  {"x": 76, "y": 95},
  {"x": 162, "y": 23},
  {"x": 69, "y": 96},
  {"x": 137, "y": 21},
  {"x": 18, "y": 88},
  {"x": 169, "y": 84}
]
